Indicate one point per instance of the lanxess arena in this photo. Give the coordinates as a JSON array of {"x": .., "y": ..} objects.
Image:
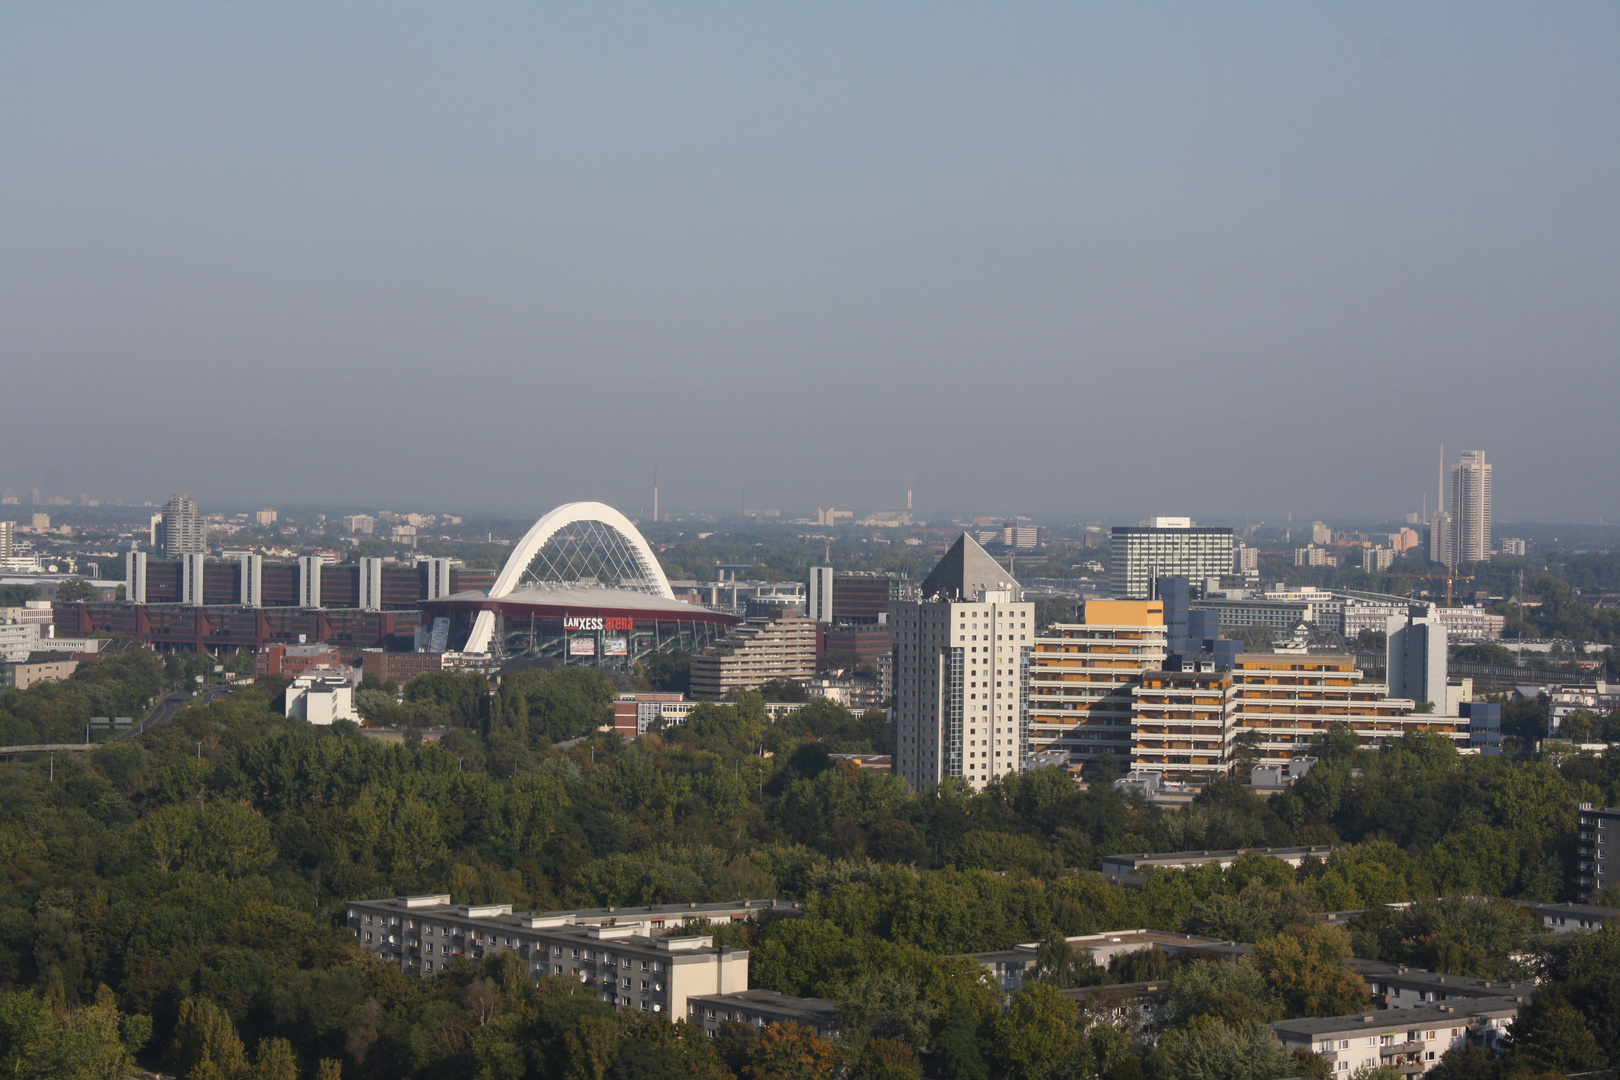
[{"x": 581, "y": 587}]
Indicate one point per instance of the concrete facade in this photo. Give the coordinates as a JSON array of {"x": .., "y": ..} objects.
[{"x": 625, "y": 956}]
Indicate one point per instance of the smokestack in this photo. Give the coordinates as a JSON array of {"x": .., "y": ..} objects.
[
  {"x": 908, "y": 498},
  {"x": 655, "y": 502}
]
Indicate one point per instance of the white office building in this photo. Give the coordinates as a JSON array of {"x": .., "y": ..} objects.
[
  {"x": 321, "y": 697},
  {"x": 1170, "y": 547},
  {"x": 961, "y": 672}
]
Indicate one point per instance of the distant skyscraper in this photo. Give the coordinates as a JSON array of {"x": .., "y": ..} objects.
[
  {"x": 1440, "y": 541},
  {"x": 821, "y": 594},
  {"x": 8, "y": 538},
  {"x": 182, "y": 528},
  {"x": 1471, "y": 508}
]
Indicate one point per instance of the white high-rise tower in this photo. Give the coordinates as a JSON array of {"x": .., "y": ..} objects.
[
  {"x": 1471, "y": 508},
  {"x": 961, "y": 672}
]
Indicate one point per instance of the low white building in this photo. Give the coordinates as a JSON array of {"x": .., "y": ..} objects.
[
  {"x": 1411, "y": 1040},
  {"x": 321, "y": 697},
  {"x": 17, "y": 640},
  {"x": 1596, "y": 697}
]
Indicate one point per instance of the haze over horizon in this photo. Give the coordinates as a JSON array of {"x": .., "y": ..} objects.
[{"x": 1052, "y": 258}]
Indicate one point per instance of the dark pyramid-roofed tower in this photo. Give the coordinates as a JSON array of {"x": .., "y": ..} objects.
[{"x": 967, "y": 571}]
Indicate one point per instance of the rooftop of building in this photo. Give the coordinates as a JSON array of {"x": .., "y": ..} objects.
[
  {"x": 1468, "y": 985},
  {"x": 439, "y": 904},
  {"x": 966, "y": 572},
  {"x": 1165, "y": 940},
  {"x": 1167, "y": 858},
  {"x": 1393, "y": 1020},
  {"x": 51, "y": 657},
  {"x": 1123, "y": 530},
  {"x": 1580, "y": 911},
  {"x": 813, "y": 1008},
  {"x": 1137, "y": 991},
  {"x": 581, "y": 597}
]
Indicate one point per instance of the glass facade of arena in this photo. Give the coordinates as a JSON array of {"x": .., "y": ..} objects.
[{"x": 585, "y": 639}]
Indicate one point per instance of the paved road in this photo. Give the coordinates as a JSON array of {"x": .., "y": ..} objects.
[
  {"x": 172, "y": 704},
  {"x": 166, "y": 710}
]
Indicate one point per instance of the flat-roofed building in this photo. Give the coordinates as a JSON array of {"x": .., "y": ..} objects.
[
  {"x": 1288, "y": 699},
  {"x": 321, "y": 698},
  {"x": 1275, "y": 613},
  {"x": 1597, "y": 847},
  {"x": 38, "y": 667},
  {"x": 1409, "y": 1040},
  {"x": 1120, "y": 868},
  {"x": 781, "y": 645},
  {"x": 761, "y": 1008},
  {"x": 639, "y": 712},
  {"x": 1010, "y": 967},
  {"x": 17, "y": 640},
  {"x": 1171, "y": 547},
  {"x": 1396, "y": 986},
  {"x": 1081, "y": 676},
  {"x": 400, "y": 668},
  {"x": 1570, "y": 918},
  {"x": 1183, "y": 724},
  {"x": 279, "y": 659},
  {"x": 624, "y": 956}
]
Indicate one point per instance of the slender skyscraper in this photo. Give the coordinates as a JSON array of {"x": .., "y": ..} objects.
[
  {"x": 1471, "y": 508},
  {"x": 183, "y": 532}
]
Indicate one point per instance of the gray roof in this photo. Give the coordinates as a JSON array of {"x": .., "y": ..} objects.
[
  {"x": 771, "y": 1001},
  {"x": 1585, "y": 911},
  {"x": 1180, "y": 857},
  {"x": 583, "y": 597},
  {"x": 1451, "y": 986},
  {"x": 1378, "y": 1021},
  {"x": 966, "y": 571}
]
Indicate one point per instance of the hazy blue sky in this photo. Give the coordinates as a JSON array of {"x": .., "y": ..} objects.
[{"x": 1106, "y": 259}]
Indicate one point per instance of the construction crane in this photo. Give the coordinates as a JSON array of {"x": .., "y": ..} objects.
[{"x": 1449, "y": 577}]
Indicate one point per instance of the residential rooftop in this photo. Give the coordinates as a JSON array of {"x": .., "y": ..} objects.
[{"x": 1375, "y": 1021}]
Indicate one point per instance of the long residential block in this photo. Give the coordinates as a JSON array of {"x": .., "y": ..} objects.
[
  {"x": 621, "y": 954},
  {"x": 1409, "y": 1040}
]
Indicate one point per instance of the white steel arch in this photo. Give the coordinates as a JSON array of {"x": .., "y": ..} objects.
[{"x": 562, "y": 517}]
